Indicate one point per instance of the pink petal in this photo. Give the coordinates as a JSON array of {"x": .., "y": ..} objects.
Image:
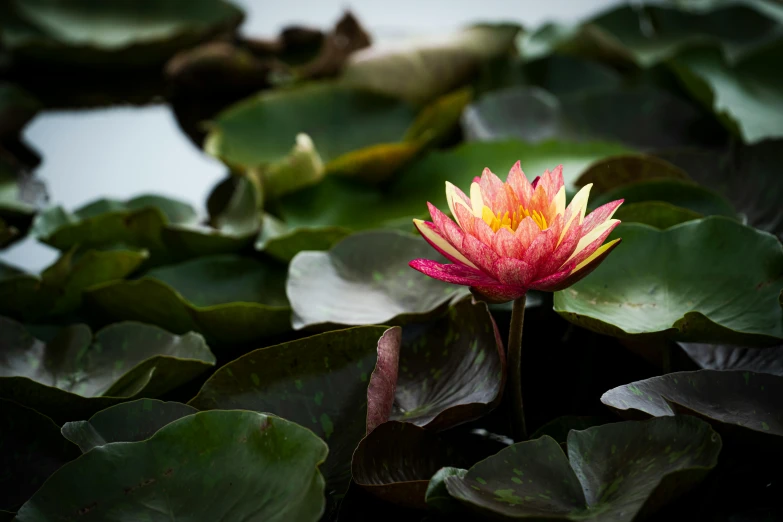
[
  {"x": 465, "y": 218},
  {"x": 447, "y": 228},
  {"x": 506, "y": 244},
  {"x": 599, "y": 215},
  {"x": 483, "y": 232},
  {"x": 479, "y": 254},
  {"x": 434, "y": 229},
  {"x": 540, "y": 250},
  {"x": 456, "y": 274},
  {"x": 584, "y": 271},
  {"x": 551, "y": 281},
  {"x": 564, "y": 250},
  {"x": 495, "y": 194},
  {"x": 592, "y": 247},
  {"x": 497, "y": 293},
  {"x": 519, "y": 183},
  {"x": 526, "y": 232},
  {"x": 513, "y": 272},
  {"x": 552, "y": 181}
]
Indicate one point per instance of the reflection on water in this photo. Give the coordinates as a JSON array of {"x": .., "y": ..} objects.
[{"x": 116, "y": 153}]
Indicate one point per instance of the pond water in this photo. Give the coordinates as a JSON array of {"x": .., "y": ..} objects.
[{"x": 121, "y": 152}]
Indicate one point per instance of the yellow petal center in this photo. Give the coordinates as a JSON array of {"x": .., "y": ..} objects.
[{"x": 511, "y": 221}]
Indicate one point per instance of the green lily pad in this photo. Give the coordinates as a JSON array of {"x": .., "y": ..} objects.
[
  {"x": 748, "y": 179},
  {"x": 283, "y": 242},
  {"x": 452, "y": 370},
  {"x": 560, "y": 427},
  {"x": 125, "y": 422},
  {"x": 655, "y": 213},
  {"x": 83, "y": 32},
  {"x": 619, "y": 171},
  {"x": 728, "y": 399},
  {"x": 408, "y": 70},
  {"x": 395, "y": 462},
  {"x": 615, "y": 472},
  {"x": 227, "y": 298},
  {"x": 320, "y": 382},
  {"x": 683, "y": 194},
  {"x": 33, "y": 449},
  {"x": 77, "y": 374},
  {"x": 729, "y": 357},
  {"x": 229, "y": 465},
  {"x": 60, "y": 288},
  {"x": 747, "y": 97},
  {"x": 711, "y": 280},
  {"x": 339, "y": 202},
  {"x": 365, "y": 279},
  {"x": 640, "y": 117}
]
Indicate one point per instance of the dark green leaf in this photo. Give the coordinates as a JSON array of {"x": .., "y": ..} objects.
[
  {"x": 17, "y": 107},
  {"x": 437, "y": 496},
  {"x": 395, "y": 462},
  {"x": 283, "y": 242},
  {"x": 75, "y": 374},
  {"x": 215, "y": 465},
  {"x": 451, "y": 369},
  {"x": 32, "y": 448},
  {"x": 711, "y": 280},
  {"x": 618, "y": 171},
  {"x": 560, "y": 427},
  {"x": 336, "y": 202},
  {"x": 227, "y": 298},
  {"x": 320, "y": 382},
  {"x": 126, "y": 422},
  {"x": 87, "y": 32},
  {"x": 728, "y": 399},
  {"x": 617, "y": 472},
  {"x": 59, "y": 288},
  {"x": 365, "y": 279},
  {"x": 420, "y": 71},
  {"x": 728, "y": 357},
  {"x": 655, "y": 213},
  {"x": 747, "y": 97},
  {"x": 21, "y": 195}
]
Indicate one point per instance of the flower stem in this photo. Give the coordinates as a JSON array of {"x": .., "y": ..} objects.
[{"x": 519, "y": 430}]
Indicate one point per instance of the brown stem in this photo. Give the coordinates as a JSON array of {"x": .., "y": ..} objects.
[{"x": 519, "y": 429}]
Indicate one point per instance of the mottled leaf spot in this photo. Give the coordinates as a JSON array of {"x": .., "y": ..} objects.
[
  {"x": 507, "y": 495},
  {"x": 481, "y": 480},
  {"x": 515, "y": 480},
  {"x": 319, "y": 398},
  {"x": 255, "y": 378},
  {"x": 765, "y": 426},
  {"x": 298, "y": 384},
  {"x": 327, "y": 426},
  {"x": 518, "y": 472},
  {"x": 377, "y": 276}
]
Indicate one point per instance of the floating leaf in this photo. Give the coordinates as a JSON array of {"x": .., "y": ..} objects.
[
  {"x": 395, "y": 462},
  {"x": 77, "y": 374},
  {"x": 59, "y": 288},
  {"x": 711, "y": 280},
  {"x": 560, "y": 427},
  {"x": 83, "y": 32},
  {"x": 125, "y": 422},
  {"x": 747, "y": 97},
  {"x": 319, "y": 382},
  {"x": 227, "y": 298},
  {"x": 728, "y": 357},
  {"x": 215, "y": 465},
  {"x": 364, "y": 279},
  {"x": 283, "y": 242},
  {"x": 655, "y": 213},
  {"x": 617, "y": 472},
  {"x": 451, "y": 369},
  {"x": 727, "y": 399},
  {"x": 619, "y": 171},
  {"x": 337, "y": 202},
  {"x": 33, "y": 449},
  {"x": 420, "y": 71},
  {"x": 683, "y": 194},
  {"x": 640, "y": 117}
]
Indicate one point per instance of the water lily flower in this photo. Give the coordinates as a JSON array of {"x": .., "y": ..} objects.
[{"x": 515, "y": 236}]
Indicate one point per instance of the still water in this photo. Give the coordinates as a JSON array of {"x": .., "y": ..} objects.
[{"x": 125, "y": 151}]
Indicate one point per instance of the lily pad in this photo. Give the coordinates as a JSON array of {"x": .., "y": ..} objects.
[
  {"x": 227, "y": 298},
  {"x": 655, "y": 213},
  {"x": 338, "y": 202},
  {"x": 683, "y": 194},
  {"x": 83, "y": 32},
  {"x": 370, "y": 274},
  {"x": 421, "y": 70},
  {"x": 619, "y": 171},
  {"x": 212, "y": 465},
  {"x": 395, "y": 462},
  {"x": 746, "y": 97},
  {"x": 728, "y": 357},
  {"x": 283, "y": 242},
  {"x": 125, "y": 422},
  {"x": 640, "y": 117},
  {"x": 60, "y": 288},
  {"x": 711, "y": 280},
  {"x": 728, "y": 399},
  {"x": 452, "y": 370},
  {"x": 615, "y": 472},
  {"x": 320, "y": 382},
  {"x": 77, "y": 374},
  {"x": 33, "y": 449}
]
